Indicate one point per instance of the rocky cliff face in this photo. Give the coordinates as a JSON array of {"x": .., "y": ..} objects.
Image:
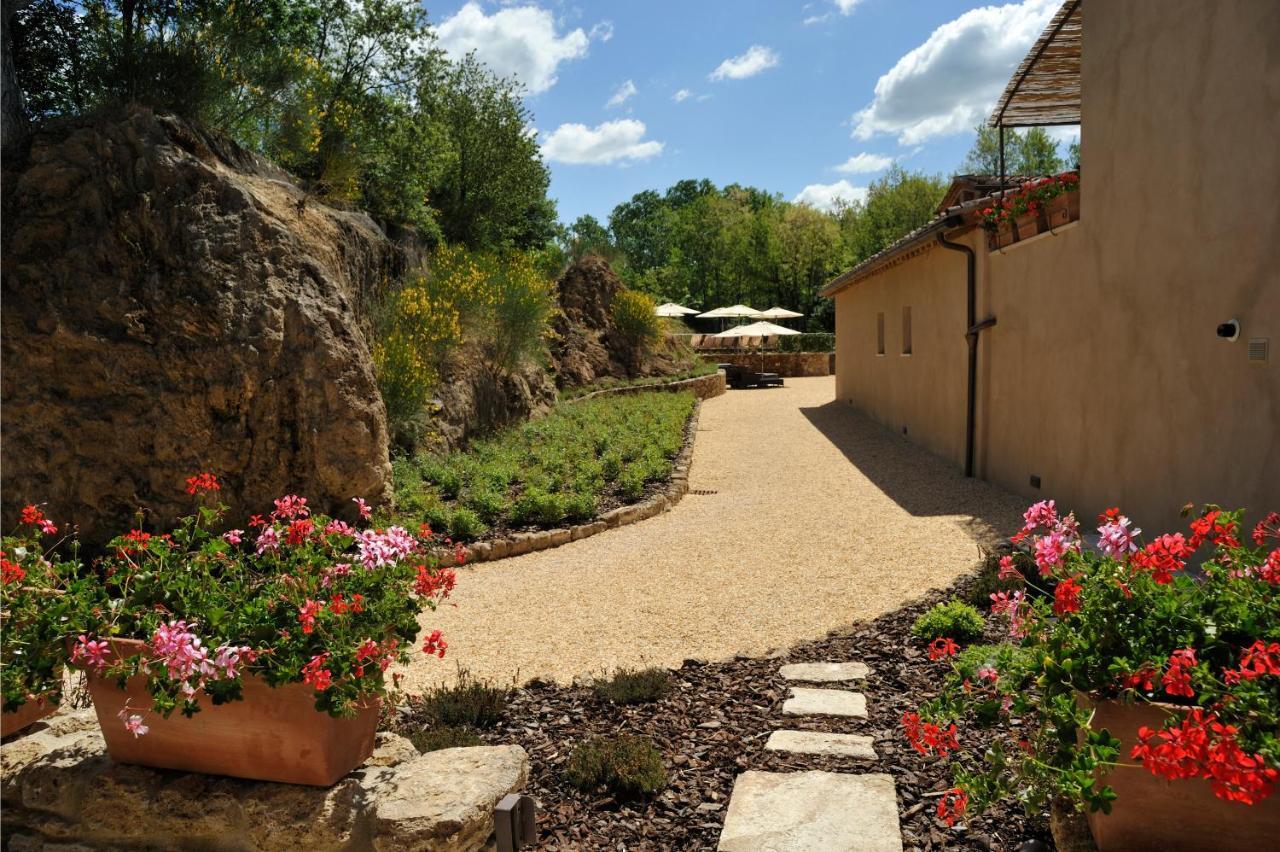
[
  {"x": 174, "y": 304},
  {"x": 586, "y": 348}
]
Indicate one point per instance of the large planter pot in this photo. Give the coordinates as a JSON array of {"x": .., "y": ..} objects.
[
  {"x": 274, "y": 734},
  {"x": 1057, "y": 210},
  {"x": 1028, "y": 225},
  {"x": 28, "y": 714},
  {"x": 1003, "y": 235},
  {"x": 1151, "y": 814}
]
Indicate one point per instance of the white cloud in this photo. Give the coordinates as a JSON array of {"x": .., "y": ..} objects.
[
  {"x": 625, "y": 91},
  {"x": 864, "y": 163},
  {"x": 824, "y": 196},
  {"x": 682, "y": 95},
  {"x": 846, "y": 6},
  {"x": 602, "y": 31},
  {"x": 1065, "y": 134},
  {"x": 756, "y": 59},
  {"x": 519, "y": 42},
  {"x": 950, "y": 83},
  {"x": 611, "y": 142}
]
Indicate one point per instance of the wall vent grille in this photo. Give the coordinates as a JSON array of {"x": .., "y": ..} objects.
[{"x": 1258, "y": 347}]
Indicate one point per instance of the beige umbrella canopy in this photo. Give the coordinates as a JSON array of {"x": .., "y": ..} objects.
[
  {"x": 777, "y": 313},
  {"x": 671, "y": 309},
  {"x": 758, "y": 329},
  {"x": 731, "y": 311}
]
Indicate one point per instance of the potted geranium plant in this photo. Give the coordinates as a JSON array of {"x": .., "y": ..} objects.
[
  {"x": 1154, "y": 694},
  {"x": 1026, "y": 212},
  {"x": 33, "y": 609},
  {"x": 997, "y": 218},
  {"x": 259, "y": 652},
  {"x": 1060, "y": 197}
]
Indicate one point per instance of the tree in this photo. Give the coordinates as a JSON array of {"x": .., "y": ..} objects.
[
  {"x": 493, "y": 191},
  {"x": 587, "y": 236},
  {"x": 1031, "y": 153},
  {"x": 896, "y": 204}
]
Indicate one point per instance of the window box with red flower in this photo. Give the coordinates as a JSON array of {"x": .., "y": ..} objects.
[
  {"x": 997, "y": 218},
  {"x": 260, "y": 652},
  {"x": 1154, "y": 695},
  {"x": 33, "y": 608}
]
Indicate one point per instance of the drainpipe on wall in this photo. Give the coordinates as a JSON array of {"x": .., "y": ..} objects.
[{"x": 972, "y": 329}]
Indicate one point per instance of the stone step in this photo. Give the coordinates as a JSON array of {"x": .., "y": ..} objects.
[
  {"x": 855, "y": 746},
  {"x": 806, "y": 701},
  {"x": 824, "y": 672},
  {"x": 812, "y": 812}
]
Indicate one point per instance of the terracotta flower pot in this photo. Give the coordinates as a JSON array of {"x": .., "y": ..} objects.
[
  {"x": 28, "y": 714},
  {"x": 274, "y": 734},
  {"x": 1151, "y": 813},
  {"x": 1057, "y": 211},
  {"x": 1004, "y": 235},
  {"x": 1028, "y": 225}
]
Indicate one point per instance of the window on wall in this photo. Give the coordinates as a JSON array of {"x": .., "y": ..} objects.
[
  {"x": 906, "y": 331},
  {"x": 879, "y": 334}
]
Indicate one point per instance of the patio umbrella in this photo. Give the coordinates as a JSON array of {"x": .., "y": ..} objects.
[
  {"x": 731, "y": 311},
  {"x": 758, "y": 329},
  {"x": 777, "y": 313},
  {"x": 671, "y": 309}
]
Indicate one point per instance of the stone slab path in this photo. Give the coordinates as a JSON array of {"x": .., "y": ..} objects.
[
  {"x": 819, "y": 742},
  {"x": 825, "y": 702},
  {"x": 816, "y": 811},
  {"x": 858, "y": 521}
]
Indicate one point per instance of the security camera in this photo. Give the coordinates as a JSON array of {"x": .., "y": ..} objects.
[{"x": 1229, "y": 330}]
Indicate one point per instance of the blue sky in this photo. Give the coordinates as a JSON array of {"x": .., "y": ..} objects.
[{"x": 810, "y": 99}]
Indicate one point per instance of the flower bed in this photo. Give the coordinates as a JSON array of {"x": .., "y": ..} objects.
[
  {"x": 1126, "y": 624},
  {"x": 574, "y": 465},
  {"x": 1038, "y": 205}
]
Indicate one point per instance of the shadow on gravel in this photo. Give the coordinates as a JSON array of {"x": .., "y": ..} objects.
[{"x": 920, "y": 482}]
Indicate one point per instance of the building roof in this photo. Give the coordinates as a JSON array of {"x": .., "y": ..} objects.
[
  {"x": 967, "y": 187},
  {"x": 1045, "y": 90},
  {"x": 963, "y": 215}
]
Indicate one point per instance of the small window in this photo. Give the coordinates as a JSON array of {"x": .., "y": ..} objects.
[
  {"x": 879, "y": 334},
  {"x": 906, "y": 331}
]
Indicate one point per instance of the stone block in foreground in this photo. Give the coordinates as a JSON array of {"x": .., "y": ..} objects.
[
  {"x": 819, "y": 742},
  {"x": 59, "y": 787},
  {"x": 824, "y": 672},
  {"x": 808, "y": 811},
  {"x": 825, "y": 702}
]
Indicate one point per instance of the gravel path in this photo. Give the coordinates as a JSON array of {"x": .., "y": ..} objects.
[{"x": 820, "y": 518}]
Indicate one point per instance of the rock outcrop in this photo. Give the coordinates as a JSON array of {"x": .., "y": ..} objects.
[
  {"x": 586, "y": 347},
  {"x": 172, "y": 303},
  {"x": 60, "y": 787}
]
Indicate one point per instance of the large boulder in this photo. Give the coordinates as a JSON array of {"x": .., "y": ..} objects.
[
  {"x": 60, "y": 787},
  {"x": 173, "y": 304}
]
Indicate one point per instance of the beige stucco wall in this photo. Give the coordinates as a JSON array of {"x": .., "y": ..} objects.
[
  {"x": 923, "y": 392},
  {"x": 1104, "y": 375}
]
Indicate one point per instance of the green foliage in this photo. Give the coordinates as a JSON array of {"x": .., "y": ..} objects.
[
  {"x": 896, "y": 204},
  {"x": 633, "y": 686},
  {"x": 437, "y": 738},
  {"x": 629, "y": 767},
  {"x": 807, "y": 343},
  {"x": 469, "y": 703},
  {"x": 352, "y": 97},
  {"x": 697, "y": 367},
  {"x": 547, "y": 471},
  {"x": 1029, "y": 153},
  {"x": 635, "y": 322},
  {"x": 954, "y": 620}
]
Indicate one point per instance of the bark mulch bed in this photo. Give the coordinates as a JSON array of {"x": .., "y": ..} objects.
[{"x": 713, "y": 725}]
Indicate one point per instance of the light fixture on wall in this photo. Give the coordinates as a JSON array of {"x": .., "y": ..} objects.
[{"x": 1229, "y": 330}]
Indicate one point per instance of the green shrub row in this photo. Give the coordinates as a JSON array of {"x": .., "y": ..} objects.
[{"x": 550, "y": 471}]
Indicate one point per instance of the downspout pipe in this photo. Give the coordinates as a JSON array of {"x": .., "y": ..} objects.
[{"x": 972, "y": 329}]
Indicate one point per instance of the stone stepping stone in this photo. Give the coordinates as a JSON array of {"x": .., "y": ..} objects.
[
  {"x": 812, "y": 812},
  {"x": 805, "y": 701},
  {"x": 824, "y": 672},
  {"x": 819, "y": 742}
]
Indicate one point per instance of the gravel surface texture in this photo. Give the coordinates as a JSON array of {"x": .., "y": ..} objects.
[
  {"x": 817, "y": 517},
  {"x": 713, "y": 725}
]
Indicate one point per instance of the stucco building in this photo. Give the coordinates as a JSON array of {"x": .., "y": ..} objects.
[{"x": 1099, "y": 376}]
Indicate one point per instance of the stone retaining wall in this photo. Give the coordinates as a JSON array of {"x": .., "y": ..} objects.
[
  {"x": 703, "y": 387},
  {"x": 675, "y": 489},
  {"x": 785, "y": 364},
  {"x": 62, "y": 792}
]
